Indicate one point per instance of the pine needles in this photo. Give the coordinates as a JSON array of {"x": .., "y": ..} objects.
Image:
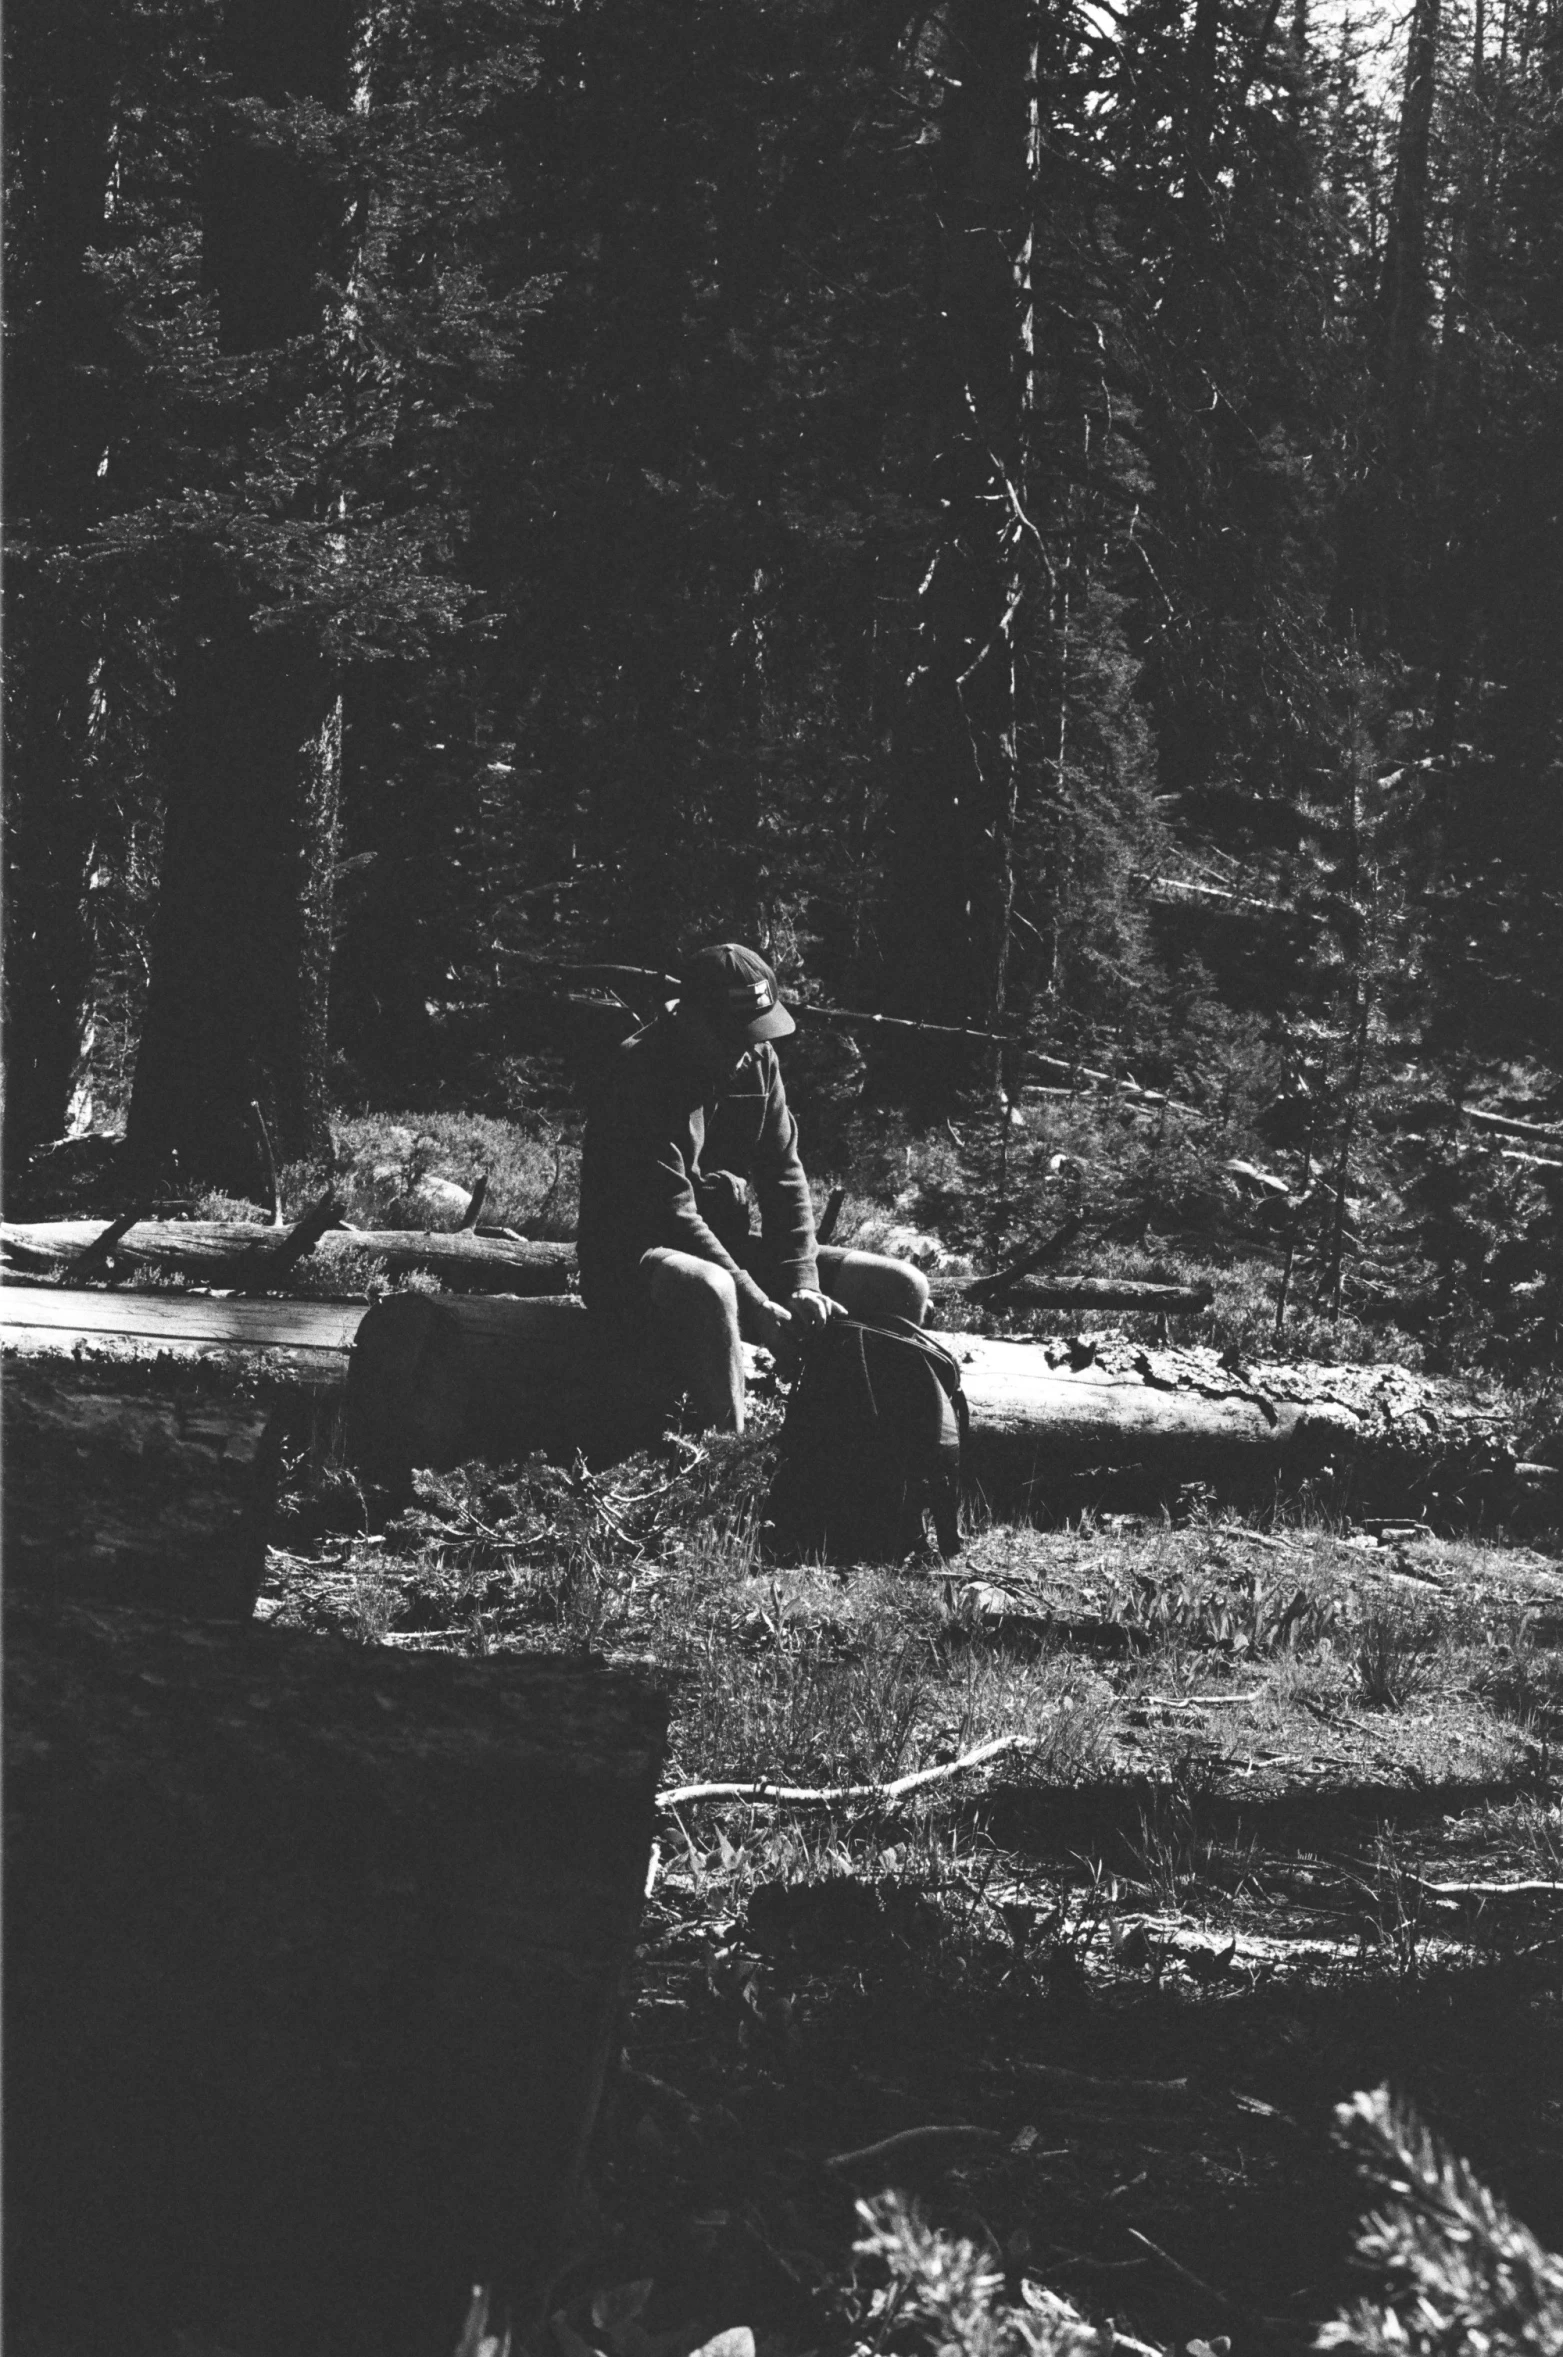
[{"x": 1461, "y": 2276}]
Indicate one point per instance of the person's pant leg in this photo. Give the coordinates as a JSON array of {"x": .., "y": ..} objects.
[
  {"x": 872, "y": 1285},
  {"x": 695, "y": 1307}
]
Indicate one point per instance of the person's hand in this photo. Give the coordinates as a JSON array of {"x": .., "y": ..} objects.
[
  {"x": 810, "y": 1311},
  {"x": 776, "y": 1331}
]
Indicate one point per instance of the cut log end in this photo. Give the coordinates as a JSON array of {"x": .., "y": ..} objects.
[
  {"x": 152, "y": 1498},
  {"x": 319, "y": 1951}
]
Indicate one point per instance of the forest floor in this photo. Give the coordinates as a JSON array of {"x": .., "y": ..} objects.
[
  {"x": 1128, "y": 1967},
  {"x": 1135, "y": 1964}
]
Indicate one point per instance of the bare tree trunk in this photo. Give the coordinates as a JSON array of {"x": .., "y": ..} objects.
[
  {"x": 237, "y": 1004},
  {"x": 955, "y": 788},
  {"x": 62, "y": 62},
  {"x": 236, "y": 1012},
  {"x": 1404, "y": 293}
]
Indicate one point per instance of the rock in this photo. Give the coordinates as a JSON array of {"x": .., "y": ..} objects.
[{"x": 441, "y": 1195}]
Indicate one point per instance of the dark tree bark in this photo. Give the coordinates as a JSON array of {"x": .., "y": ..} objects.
[
  {"x": 237, "y": 1006},
  {"x": 952, "y": 818},
  {"x": 236, "y": 1012},
  {"x": 1404, "y": 292},
  {"x": 62, "y": 58}
]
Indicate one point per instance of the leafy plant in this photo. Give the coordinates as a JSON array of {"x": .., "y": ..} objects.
[
  {"x": 938, "y": 2295},
  {"x": 1245, "y": 1615},
  {"x": 1460, "y": 2274},
  {"x": 1394, "y": 1656}
]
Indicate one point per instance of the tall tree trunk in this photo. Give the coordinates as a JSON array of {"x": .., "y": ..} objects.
[
  {"x": 62, "y": 66},
  {"x": 48, "y": 841},
  {"x": 236, "y": 1013},
  {"x": 1460, "y": 586},
  {"x": 237, "y": 1004},
  {"x": 1404, "y": 294},
  {"x": 953, "y": 809}
]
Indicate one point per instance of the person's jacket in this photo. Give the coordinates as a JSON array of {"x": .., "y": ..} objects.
[{"x": 654, "y": 1134}]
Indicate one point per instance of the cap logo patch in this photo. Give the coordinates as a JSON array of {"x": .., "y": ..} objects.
[{"x": 751, "y": 998}]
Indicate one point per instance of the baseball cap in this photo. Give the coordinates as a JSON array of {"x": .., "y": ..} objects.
[{"x": 736, "y": 991}]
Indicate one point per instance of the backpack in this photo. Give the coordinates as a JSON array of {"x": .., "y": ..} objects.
[{"x": 870, "y": 1445}]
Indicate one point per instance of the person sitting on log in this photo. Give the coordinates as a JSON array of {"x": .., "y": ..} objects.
[{"x": 691, "y": 1107}]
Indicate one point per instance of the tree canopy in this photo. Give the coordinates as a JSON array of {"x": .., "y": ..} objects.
[{"x": 976, "y": 498}]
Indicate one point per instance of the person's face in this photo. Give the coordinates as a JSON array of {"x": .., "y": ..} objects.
[{"x": 713, "y": 1052}]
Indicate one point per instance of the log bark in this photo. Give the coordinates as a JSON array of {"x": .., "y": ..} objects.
[
  {"x": 215, "y": 1249},
  {"x": 272, "y": 1344},
  {"x": 137, "y": 1498},
  {"x": 1091, "y": 1293},
  {"x": 314, "y": 1959},
  {"x": 435, "y": 1380},
  {"x": 1141, "y": 1425}
]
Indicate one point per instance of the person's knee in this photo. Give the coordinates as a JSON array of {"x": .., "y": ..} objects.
[
  {"x": 871, "y": 1284},
  {"x": 697, "y": 1290},
  {"x": 899, "y": 1290}
]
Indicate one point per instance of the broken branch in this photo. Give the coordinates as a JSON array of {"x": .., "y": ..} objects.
[
  {"x": 830, "y": 1795},
  {"x": 909, "y": 2140}
]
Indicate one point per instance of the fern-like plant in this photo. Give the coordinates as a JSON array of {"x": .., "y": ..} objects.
[{"x": 1461, "y": 2277}]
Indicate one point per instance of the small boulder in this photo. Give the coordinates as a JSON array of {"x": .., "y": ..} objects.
[{"x": 441, "y": 1198}]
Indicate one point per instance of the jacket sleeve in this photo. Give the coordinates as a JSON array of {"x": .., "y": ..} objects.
[
  {"x": 786, "y": 1206},
  {"x": 672, "y": 1189}
]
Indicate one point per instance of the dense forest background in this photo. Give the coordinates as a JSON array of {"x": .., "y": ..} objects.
[{"x": 1045, "y": 518}]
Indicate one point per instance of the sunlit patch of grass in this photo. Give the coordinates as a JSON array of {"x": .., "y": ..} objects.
[
  {"x": 229, "y": 1210},
  {"x": 1396, "y": 1648},
  {"x": 533, "y": 1172}
]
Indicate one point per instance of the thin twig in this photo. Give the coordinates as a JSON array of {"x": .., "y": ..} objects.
[
  {"x": 908, "y": 2140},
  {"x": 1202, "y": 1701},
  {"x": 1489, "y": 1890},
  {"x": 1221, "y": 2298},
  {"x": 1210, "y": 2291},
  {"x": 1054, "y": 2074},
  {"x": 828, "y": 1796}
]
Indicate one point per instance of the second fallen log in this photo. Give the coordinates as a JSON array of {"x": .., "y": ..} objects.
[
  {"x": 226, "y": 1251},
  {"x": 1093, "y": 1293},
  {"x": 434, "y": 1381},
  {"x": 1137, "y": 1426}
]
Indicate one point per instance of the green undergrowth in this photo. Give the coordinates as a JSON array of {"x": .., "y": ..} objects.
[
  {"x": 1251, "y": 1762},
  {"x": 1449, "y": 1252},
  {"x": 1452, "y": 1271}
]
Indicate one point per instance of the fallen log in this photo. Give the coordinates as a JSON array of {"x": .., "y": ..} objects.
[
  {"x": 1001, "y": 1280},
  {"x": 1505, "y": 1125},
  {"x": 273, "y": 1344},
  {"x": 1146, "y": 1424},
  {"x": 435, "y": 1380},
  {"x": 138, "y": 1497},
  {"x": 314, "y": 1959},
  {"x": 262, "y": 1268},
  {"x": 1070, "y": 1293},
  {"x": 1130, "y": 1090},
  {"x": 218, "y": 1251}
]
